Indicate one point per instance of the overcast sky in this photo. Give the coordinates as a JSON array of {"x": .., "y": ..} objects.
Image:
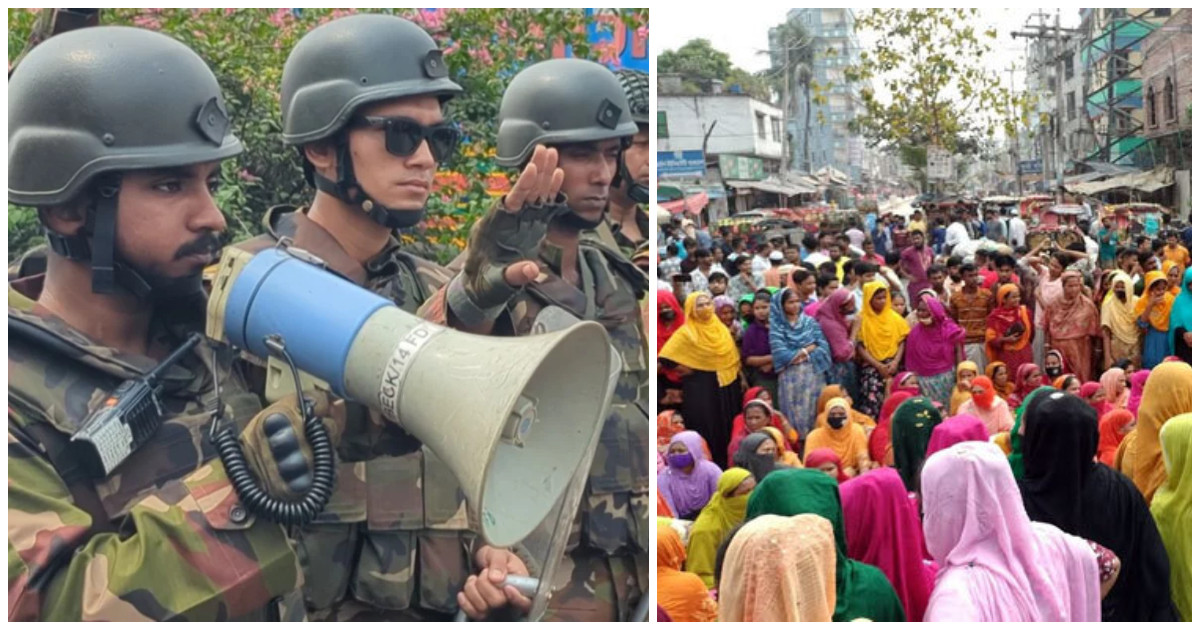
[{"x": 743, "y": 33}]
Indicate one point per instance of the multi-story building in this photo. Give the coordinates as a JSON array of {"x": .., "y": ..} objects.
[
  {"x": 1167, "y": 91},
  {"x": 830, "y": 142},
  {"x": 1112, "y": 60}
]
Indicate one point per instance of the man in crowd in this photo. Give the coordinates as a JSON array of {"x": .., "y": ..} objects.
[{"x": 970, "y": 307}]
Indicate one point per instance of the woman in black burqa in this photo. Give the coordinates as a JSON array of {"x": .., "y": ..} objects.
[{"x": 1064, "y": 486}]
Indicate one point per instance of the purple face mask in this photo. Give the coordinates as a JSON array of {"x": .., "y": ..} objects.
[{"x": 680, "y": 460}]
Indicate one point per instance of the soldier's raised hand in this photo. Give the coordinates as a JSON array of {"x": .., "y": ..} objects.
[{"x": 539, "y": 183}]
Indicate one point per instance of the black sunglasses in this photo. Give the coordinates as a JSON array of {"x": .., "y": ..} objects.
[{"x": 403, "y": 136}]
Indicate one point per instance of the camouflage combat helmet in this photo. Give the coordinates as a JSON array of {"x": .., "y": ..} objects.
[
  {"x": 350, "y": 62},
  {"x": 560, "y": 101},
  {"x": 86, "y": 105},
  {"x": 637, "y": 92},
  {"x": 346, "y": 64}
]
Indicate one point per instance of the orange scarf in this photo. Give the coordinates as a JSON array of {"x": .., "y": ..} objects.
[{"x": 1160, "y": 317}]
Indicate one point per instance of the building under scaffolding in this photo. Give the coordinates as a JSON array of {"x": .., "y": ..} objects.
[{"x": 1112, "y": 58}]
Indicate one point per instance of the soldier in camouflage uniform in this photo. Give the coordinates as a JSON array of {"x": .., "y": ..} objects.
[
  {"x": 528, "y": 254},
  {"x": 626, "y": 224},
  {"x": 125, "y": 196},
  {"x": 362, "y": 100}
]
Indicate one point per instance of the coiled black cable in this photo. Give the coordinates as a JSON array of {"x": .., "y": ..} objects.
[
  {"x": 249, "y": 490},
  {"x": 257, "y": 500}
]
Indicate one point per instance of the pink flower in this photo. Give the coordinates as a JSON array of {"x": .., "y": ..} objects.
[
  {"x": 146, "y": 21},
  {"x": 451, "y": 49},
  {"x": 247, "y": 176},
  {"x": 481, "y": 55},
  {"x": 229, "y": 11},
  {"x": 199, "y": 34},
  {"x": 537, "y": 31},
  {"x": 279, "y": 17}
]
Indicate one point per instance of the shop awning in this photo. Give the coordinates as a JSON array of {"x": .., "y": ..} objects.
[
  {"x": 692, "y": 203},
  {"x": 1145, "y": 181},
  {"x": 774, "y": 187}
]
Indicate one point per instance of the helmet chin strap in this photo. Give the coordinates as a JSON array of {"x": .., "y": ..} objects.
[
  {"x": 96, "y": 244},
  {"x": 350, "y": 191},
  {"x": 635, "y": 191}
]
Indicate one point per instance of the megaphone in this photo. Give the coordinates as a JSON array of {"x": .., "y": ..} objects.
[{"x": 511, "y": 417}]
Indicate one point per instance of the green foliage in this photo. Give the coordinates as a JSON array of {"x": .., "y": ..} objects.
[
  {"x": 246, "y": 48},
  {"x": 698, "y": 63},
  {"x": 930, "y": 64}
]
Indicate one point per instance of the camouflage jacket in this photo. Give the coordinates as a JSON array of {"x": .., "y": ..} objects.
[
  {"x": 164, "y": 536},
  {"x": 393, "y": 542},
  {"x": 609, "y": 233},
  {"x": 614, "y": 511}
]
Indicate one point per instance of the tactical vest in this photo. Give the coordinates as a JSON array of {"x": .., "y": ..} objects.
[
  {"x": 614, "y": 512},
  {"x": 394, "y": 536},
  {"x": 57, "y": 377}
]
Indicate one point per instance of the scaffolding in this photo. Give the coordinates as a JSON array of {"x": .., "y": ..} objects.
[{"x": 1113, "y": 81}]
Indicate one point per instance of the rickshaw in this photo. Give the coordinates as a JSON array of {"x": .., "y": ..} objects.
[
  {"x": 1030, "y": 205},
  {"x": 1050, "y": 226},
  {"x": 1125, "y": 214}
]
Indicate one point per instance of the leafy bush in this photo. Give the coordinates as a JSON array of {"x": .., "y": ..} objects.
[{"x": 246, "y": 48}]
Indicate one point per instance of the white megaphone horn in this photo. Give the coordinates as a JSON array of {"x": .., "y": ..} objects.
[{"x": 511, "y": 417}]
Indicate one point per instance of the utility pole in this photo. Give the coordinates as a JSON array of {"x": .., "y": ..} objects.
[
  {"x": 787, "y": 110},
  {"x": 1054, "y": 146},
  {"x": 1016, "y": 151},
  {"x": 1060, "y": 66}
]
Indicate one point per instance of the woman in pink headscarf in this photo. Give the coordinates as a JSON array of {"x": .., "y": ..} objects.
[
  {"x": 933, "y": 349},
  {"x": 996, "y": 564},
  {"x": 884, "y": 530},
  {"x": 832, "y": 314},
  {"x": 1116, "y": 394},
  {"x": 961, "y": 428},
  {"x": 1093, "y": 393},
  {"x": 1137, "y": 383}
]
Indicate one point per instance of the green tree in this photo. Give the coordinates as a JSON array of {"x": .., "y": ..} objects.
[
  {"x": 698, "y": 63},
  {"x": 246, "y": 48},
  {"x": 936, "y": 90}
]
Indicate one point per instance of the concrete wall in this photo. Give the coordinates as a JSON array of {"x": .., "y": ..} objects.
[{"x": 737, "y": 130}]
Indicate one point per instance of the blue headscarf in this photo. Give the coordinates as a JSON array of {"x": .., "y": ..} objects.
[
  {"x": 1181, "y": 313},
  {"x": 787, "y": 339}
]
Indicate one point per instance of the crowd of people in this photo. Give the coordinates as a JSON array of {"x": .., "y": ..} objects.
[{"x": 855, "y": 431}]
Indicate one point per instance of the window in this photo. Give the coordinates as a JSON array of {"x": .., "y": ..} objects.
[
  {"x": 1162, "y": 13},
  {"x": 775, "y": 135},
  {"x": 1152, "y": 107},
  {"x": 662, "y": 125},
  {"x": 1169, "y": 100},
  {"x": 1068, "y": 66},
  {"x": 1071, "y": 105},
  {"x": 762, "y": 125}
]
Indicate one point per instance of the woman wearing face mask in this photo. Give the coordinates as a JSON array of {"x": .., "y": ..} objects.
[
  {"x": 725, "y": 510},
  {"x": 881, "y": 337},
  {"x": 837, "y": 391},
  {"x": 1154, "y": 318},
  {"x": 1009, "y": 330},
  {"x": 757, "y": 453},
  {"x": 670, "y": 319},
  {"x": 988, "y": 407},
  {"x": 844, "y": 438},
  {"x": 783, "y": 454},
  {"x": 836, "y": 317},
  {"x": 1056, "y": 366},
  {"x": 1118, "y": 322},
  {"x": 801, "y": 358},
  {"x": 704, "y": 353},
  {"x": 756, "y": 346},
  {"x": 1114, "y": 426},
  {"x": 934, "y": 345},
  {"x": 964, "y": 374},
  {"x": 689, "y": 479}
]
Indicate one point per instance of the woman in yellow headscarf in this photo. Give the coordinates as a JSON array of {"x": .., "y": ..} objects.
[
  {"x": 1168, "y": 393},
  {"x": 1172, "y": 509},
  {"x": 963, "y": 375},
  {"x": 703, "y": 352},
  {"x": 842, "y": 436},
  {"x": 782, "y": 454},
  {"x": 681, "y": 594},
  {"x": 1174, "y": 273},
  {"x": 725, "y": 510},
  {"x": 1118, "y": 321},
  {"x": 837, "y": 391},
  {"x": 1154, "y": 317},
  {"x": 880, "y": 337}
]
